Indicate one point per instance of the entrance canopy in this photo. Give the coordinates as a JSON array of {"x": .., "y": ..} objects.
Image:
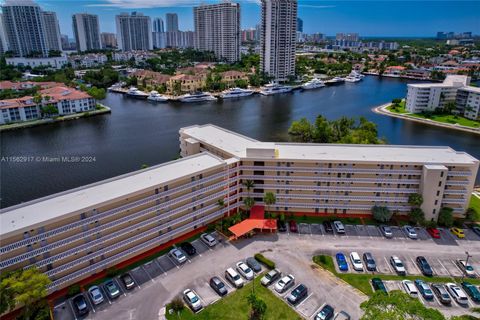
[{"x": 256, "y": 221}]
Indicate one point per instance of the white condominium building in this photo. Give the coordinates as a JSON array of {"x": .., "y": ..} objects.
[
  {"x": 429, "y": 96},
  {"x": 172, "y": 22},
  {"x": 278, "y": 38},
  {"x": 24, "y": 28},
  {"x": 52, "y": 31},
  {"x": 134, "y": 32},
  {"x": 217, "y": 29},
  {"x": 87, "y": 31},
  {"x": 468, "y": 102},
  {"x": 78, "y": 233}
]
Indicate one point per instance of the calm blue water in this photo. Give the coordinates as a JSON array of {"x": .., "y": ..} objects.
[{"x": 139, "y": 132}]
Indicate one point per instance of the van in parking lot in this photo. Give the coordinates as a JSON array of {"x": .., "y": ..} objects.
[
  {"x": 410, "y": 288},
  {"x": 457, "y": 294},
  {"x": 234, "y": 278},
  {"x": 356, "y": 261},
  {"x": 369, "y": 261},
  {"x": 397, "y": 265},
  {"x": 339, "y": 228}
]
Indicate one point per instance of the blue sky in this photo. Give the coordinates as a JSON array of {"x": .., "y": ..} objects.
[{"x": 369, "y": 18}]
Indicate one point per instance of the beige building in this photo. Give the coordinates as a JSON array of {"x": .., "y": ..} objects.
[{"x": 78, "y": 233}]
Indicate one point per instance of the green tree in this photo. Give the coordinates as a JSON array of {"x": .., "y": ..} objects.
[
  {"x": 449, "y": 107},
  {"x": 269, "y": 199},
  {"x": 381, "y": 214},
  {"x": 49, "y": 110},
  {"x": 397, "y": 306},
  {"x": 24, "y": 288},
  {"x": 248, "y": 202},
  {"x": 97, "y": 93},
  {"x": 259, "y": 307},
  {"x": 249, "y": 185},
  {"x": 416, "y": 216},
  {"x": 302, "y": 129},
  {"x": 415, "y": 200},
  {"x": 445, "y": 217}
]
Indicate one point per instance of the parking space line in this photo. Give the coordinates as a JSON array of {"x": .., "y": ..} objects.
[
  {"x": 131, "y": 275},
  {"x": 71, "y": 308},
  {"x": 448, "y": 272},
  {"x": 90, "y": 302},
  {"x": 119, "y": 286},
  {"x": 416, "y": 267},
  {"x": 159, "y": 266},
  {"x": 148, "y": 274},
  {"x": 169, "y": 258},
  {"x": 102, "y": 290},
  {"x": 318, "y": 310},
  {"x": 298, "y": 305},
  {"x": 388, "y": 264}
]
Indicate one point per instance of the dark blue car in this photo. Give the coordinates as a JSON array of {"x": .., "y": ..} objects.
[{"x": 341, "y": 261}]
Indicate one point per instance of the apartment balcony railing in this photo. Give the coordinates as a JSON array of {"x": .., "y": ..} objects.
[
  {"x": 456, "y": 201},
  {"x": 336, "y": 170},
  {"x": 330, "y": 179},
  {"x": 459, "y": 174},
  {"x": 124, "y": 231},
  {"x": 339, "y": 206},
  {"x": 333, "y": 188},
  {"x": 106, "y": 214},
  {"x": 452, "y": 191},
  {"x": 331, "y": 197},
  {"x": 120, "y": 256},
  {"x": 457, "y": 183}
]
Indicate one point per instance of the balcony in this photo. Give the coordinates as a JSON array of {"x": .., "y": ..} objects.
[
  {"x": 335, "y": 170},
  {"x": 331, "y": 179}
]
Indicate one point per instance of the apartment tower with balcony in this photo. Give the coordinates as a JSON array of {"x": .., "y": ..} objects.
[
  {"x": 134, "y": 32},
  {"x": 87, "y": 31}
]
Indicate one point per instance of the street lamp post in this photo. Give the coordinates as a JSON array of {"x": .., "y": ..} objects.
[{"x": 466, "y": 264}]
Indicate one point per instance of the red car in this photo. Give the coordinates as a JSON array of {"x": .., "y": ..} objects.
[
  {"x": 434, "y": 232},
  {"x": 292, "y": 224}
]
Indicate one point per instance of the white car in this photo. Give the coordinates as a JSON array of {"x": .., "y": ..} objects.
[
  {"x": 410, "y": 288},
  {"x": 283, "y": 284},
  {"x": 245, "y": 270},
  {"x": 410, "y": 231},
  {"x": 95, "y": 294},
  {"x": 397, "y": 265},
  {"x": 192, "y": 299},
  {"x": 356, "y": 261},
  {"x": 466, "y": 268},
  {"x": 208, "y": 239},
  {"x": 178, "y": 255},
  {"x": 234, "y": 278},
  {"x": 457, "y": 293},
  {"x": 338, "y": 225}
]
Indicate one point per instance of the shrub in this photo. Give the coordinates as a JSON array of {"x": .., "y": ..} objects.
[
  {"x": 445, "y": 217},
  {"x": 73, "y": 290},
  {"x": 267, "y": 262},
  {"x": 381, "y": 214},
  {"x": 177, "y": 304}
]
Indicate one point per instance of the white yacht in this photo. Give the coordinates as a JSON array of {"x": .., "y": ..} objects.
[
  {"x": 357, "y": 74},
  {"x": 135, "y": 93},
  {"x": 274, "y": 88},
  {"x": 313, "y": 84},
  {"x": 336, "y": 80},
  {"x": 197, "y": 97},
  {"x": 157, "y": 97},
  {"x": 235, "y": 93}
]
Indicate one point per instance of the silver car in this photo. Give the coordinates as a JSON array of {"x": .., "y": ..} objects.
[
  {"x": 95, "y": 294},
  {"x": 386, "y": 231}
]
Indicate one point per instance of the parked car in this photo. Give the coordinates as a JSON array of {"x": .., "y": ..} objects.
[
  {"x": 244, "y": 270},
  {"x": 434, "y": 232},
  {"x": 441, "y": 293},
  {"x": 80, "y": 305},
  {"x": 254, "y": 264},
  {"x": 342, "y": 315},
  {"x": 270, "y": 277},
  {"x": 369, "y": 261},
  {"x": 410, "y": 231},
  {"x": 192, "y": 300},
  {"x": 356, "y": 261},
  {"x": 128, "y": 281},
  {"x": 218, "y": 286},
  {"x": 410, "y": 288},
  {"x": 341, "y": 261},
  {"x": 424, "y": 289},
  {"x": 424, "y": 266},
  {"x": 208, "y": 239},
  {"x": 111, "y": 288},
  {"x": 476, "y": 230},
  {"x": 234, "y": 278},
  {"x": 471, "y": 290},
  {"x": 292, "y": 224},
  {"x": 283, "y": 284},
  {"x": 397, "y": 265},
  {"x": 457, "y": 294},
  {"x": 95, "y": 294},
  {"x": 178, "y": 255},
  {"x": 458, "y": 232},
  {"x": 188, "y": 248},
  {"x": 339, "y": 227},
  {"x": 326, "y": 313},
  {"x": 281, "y": 226},
  {"x": 327, "y": 225},
  {"x": 297, "y": 294},
  {"x": 466, "y": 268},
  {"x": 386, "y": 231},
  {"x": 378, "y": 285}
]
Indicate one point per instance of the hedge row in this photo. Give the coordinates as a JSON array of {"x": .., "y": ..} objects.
[{"x": 267, "y": 262}]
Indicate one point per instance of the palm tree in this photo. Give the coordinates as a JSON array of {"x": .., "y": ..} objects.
[
  {"x": 269, "y": 199},
  {"x": 249, "y": 185},
  {"x": 248, "y": 202},
  {"x": 221, "y": 205}
]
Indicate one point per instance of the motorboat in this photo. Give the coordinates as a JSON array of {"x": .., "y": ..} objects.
[
  {"x": 313, "y": 84},
  {"x": 334, "y": 81},
  {"x": 274, "y": 88},
  {"x": 235, "y": 93},
  {"x": 135, "y": 93},
  {"x": 353, "y": 77},
  {"x": 157, "y": 97},
  {"x": 197, "y": 97}
]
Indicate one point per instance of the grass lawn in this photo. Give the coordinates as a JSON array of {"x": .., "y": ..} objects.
[
  {"x": 475, "y": 203},
  {"x": 235, "y": 306},
  {"x": 362, "y": 281},
  {"x": 451, "y": 119},
  {"x": 398, "y": 109}
]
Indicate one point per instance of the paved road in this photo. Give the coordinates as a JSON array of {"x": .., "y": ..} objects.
[{"x": 292, "y": 253}]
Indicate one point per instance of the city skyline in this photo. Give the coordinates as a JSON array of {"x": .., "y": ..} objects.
[{"x": 328, "y": 17}]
